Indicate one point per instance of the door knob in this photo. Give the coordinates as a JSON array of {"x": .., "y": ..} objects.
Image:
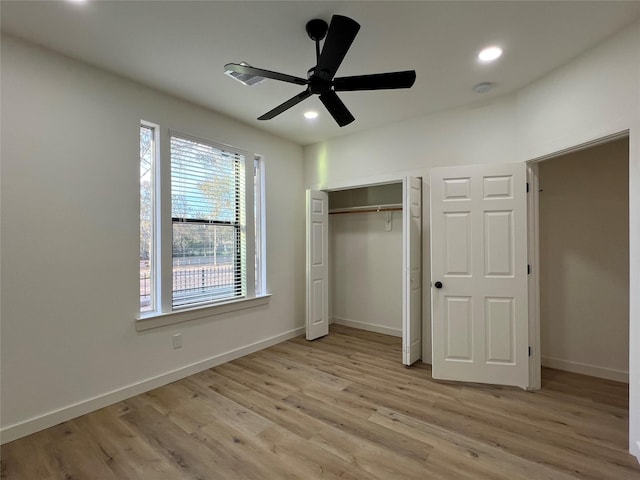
[{"x": 438, "y": 285}]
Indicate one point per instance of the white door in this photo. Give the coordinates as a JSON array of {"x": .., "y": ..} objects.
[
  {"x": 411, "y": 269},
  {"x": 317, "y": 322},
  {"x": 479, "y": 274}
]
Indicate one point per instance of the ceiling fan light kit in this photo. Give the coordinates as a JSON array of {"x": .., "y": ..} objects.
[
  {"x": 338, "y": 37},
  {"x": 245, "y": 78}
]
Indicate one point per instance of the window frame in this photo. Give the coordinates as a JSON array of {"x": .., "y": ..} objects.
[
  {"x": 154, "y": 254},
  {"x": 164, "y": 313},
  {"x": 260, "y": 221}
]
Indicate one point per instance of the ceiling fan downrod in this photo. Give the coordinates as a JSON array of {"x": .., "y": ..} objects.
[{"x": 317, "y": 30}]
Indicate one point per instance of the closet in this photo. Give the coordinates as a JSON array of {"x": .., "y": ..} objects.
[
  {"x": 584, "y": 260},
  {"x": 365, "y": 267},
  {"x": 364, "y": 261}
]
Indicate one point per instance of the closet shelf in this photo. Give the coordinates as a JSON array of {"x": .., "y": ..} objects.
[{"x": 390, "y": 207}]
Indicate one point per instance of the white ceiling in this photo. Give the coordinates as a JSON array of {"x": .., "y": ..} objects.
[{"x": 180, "y": 47}]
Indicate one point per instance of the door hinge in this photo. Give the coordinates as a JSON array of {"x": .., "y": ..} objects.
[
  {"x": 528, "y": 269},
  {"x": 529, "y": 350},
  {"x": 527, "y": 187}
]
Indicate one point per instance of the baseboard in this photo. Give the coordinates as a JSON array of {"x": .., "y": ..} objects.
[
  {"x": 371, "y": 327},
  {"x": 35, "y": 424},
  {"x": 586, "y": 369}
]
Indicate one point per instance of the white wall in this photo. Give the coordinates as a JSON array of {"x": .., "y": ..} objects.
[
  {"x": 584, "y": 261},
  {"x": 480, "y": 134},
  {"x": 366, "y": 271},
  {"x": 594, "y": 96},
  {"x": 70, "y": 153}
]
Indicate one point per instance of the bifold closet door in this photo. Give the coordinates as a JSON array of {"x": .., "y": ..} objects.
[
  {"x": 411, "y": 270},
  {"x": 317, "y": 297}
]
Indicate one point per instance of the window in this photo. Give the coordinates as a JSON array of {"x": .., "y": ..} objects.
[
  {"x": 207, "y": 213},
  {"x": 147, "y": 162},
  {"x": 199, "y": 237},
  {"x": 259, "y": 217}
]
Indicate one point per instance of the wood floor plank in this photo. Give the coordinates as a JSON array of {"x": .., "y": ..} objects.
[
  {"x": 343, "y": 420},
  {"x": 587, "y": 458},
  {"x": 39, "y": 464},
  {"x": 307, "y": 462},
  {"x": 71, "y": 454},
  {"x": 297, "y": 371},
  {"x": 128, "y": 455},
  {"x": 340, "y": 407},
  {"x": 273, "y": 409},
  {"x": 376, "y": 460},
  {"x": 594, "y": 426},
  {"x": 188, "y": 454},
  {"x": 514, "y": 437},
  {"x": 226, "y": 411},
  {"x": 481, "y": 459}
]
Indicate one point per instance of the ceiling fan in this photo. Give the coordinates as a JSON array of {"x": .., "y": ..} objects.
[{"x": 321, "y": 78}]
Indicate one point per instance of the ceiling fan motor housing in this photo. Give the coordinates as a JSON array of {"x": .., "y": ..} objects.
[{"x": 318, "y": 85}]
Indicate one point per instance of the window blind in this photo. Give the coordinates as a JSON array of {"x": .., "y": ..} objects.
[{"x": 207, "y": 211}]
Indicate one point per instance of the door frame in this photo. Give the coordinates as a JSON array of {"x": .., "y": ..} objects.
[
  {"x": 533, "y": 248},
  {"x": 533, "y": 259},
  {"x": 425, "y": 353}
]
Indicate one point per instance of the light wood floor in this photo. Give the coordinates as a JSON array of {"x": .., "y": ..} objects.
[{"x": 339, "y": 407}]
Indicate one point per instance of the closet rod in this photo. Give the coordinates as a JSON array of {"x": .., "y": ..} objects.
[{"x": 365, "y": 210}]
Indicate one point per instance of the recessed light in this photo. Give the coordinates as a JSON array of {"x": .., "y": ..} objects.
[
  {"x": 490, "y": 54},
  {"x": 310, "y": 114}
]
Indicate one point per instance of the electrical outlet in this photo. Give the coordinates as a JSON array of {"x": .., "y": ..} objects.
[{"x": 177, "y": 340}]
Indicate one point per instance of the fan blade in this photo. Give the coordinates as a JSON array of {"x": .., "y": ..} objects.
[
  {"x": 260, "y": 72},
  {"x": 286, "y": 105},
  {"x": 378, "y": 81},
  {"x": 336, "y": 108},
  {"x": 342, "y": 32}
]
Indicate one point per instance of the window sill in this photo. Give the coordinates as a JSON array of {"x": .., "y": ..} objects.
[{"x": 156, "y": 320}]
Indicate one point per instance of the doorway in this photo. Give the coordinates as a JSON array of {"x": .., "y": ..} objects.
[
  {"x": 583, "y": 275},
  {"x": 404, "y": 196}
]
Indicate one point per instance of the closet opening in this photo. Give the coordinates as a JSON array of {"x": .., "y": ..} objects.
[
  {"x": 583, "y": 252},
  {"x": 365, "y": 250},
  {"x": 584, "y": 261},
  {"x": 371, "y": 278}
]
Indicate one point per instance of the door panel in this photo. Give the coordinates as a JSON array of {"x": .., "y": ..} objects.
[
  {"x": 412, "y": 271},
  {"x": 317, "y": 312},
  {"x": 458, "y": 243},
  {"x": 498, "y": 244},
  {"x": 479, "y": 254},
  {"x": 499, "y": 319},
  {"x": 458, "y": 327}
]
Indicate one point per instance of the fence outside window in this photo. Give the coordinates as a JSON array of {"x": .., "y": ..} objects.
[{"x": 188, "y": 281}]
